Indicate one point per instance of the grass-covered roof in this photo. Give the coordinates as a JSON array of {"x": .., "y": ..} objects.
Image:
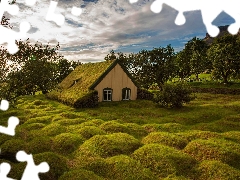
[{"x": 77, "y": 83}]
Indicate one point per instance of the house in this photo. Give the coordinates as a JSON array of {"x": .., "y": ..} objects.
[{"x": 109, "y": 79}]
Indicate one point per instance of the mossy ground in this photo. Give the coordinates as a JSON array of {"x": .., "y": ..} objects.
[{"x": 127, "y": 140}]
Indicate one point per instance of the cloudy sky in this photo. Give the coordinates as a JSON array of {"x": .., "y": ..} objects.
[{"x": 110, "y": 24}]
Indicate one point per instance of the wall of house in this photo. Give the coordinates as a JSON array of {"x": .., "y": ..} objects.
[{"x": 116, "y": 79}]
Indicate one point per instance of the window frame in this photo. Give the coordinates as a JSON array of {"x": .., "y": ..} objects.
[
  {"x": 107, "y": 90},
  {"x": 126, "y": 94}
]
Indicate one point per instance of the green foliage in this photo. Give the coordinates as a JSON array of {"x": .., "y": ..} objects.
[
  {"x": 80, "y": 174},
  {"x": 174, "y": 95},
  {"x": 144, "y": 94},
  {"x": 164, "y": 160},
  {"x": 110, "y": 145},
  {"x": 225, "y": 57},
  {"x": 214, "y": 170},
  {"x": 114, "y": 127},
  {"x": 123, "y": 167}
]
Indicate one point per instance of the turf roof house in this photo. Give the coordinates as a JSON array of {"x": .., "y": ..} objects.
[{"x": 109, "y": 80}]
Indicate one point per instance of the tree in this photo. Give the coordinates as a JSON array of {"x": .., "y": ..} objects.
[
  {"x": 65, "y": 67},
  {"x": 225, "y": 56},
  {"x": 110, "y": 57},
  {"x": 196, "y": 51},
  {"x": 151, "y": 66},
  {"x": 34, "y": 68},
  {"x": 183, "y": 64}
]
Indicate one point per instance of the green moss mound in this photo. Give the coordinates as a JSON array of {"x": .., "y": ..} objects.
[
  {"x": 232, "y": 136},
  {"x": 215, "y": 149},
  {"x": 168, "y": 127},
  {"x": 90, "y": 131},
  {"x": 168, "y": 139},
  {"x": 215, "y": 170},
  {"x": 114, "y": 127},
  {"x": 11, "y": 147},
  {"x": 91, "y": 162},
  {"x": 110, "y": 145},
  {"x": 42, "y": 119},
  {"x": 57, "y": 163},
  {"x": 69, "y": 121},
  {"x": 196, "y": 134},
  {"x": 164, "y": 160},
  {"x": 136, "y": 130},
  {"x": 40, "y": 144},
  {"x": 66, "y": 143},
  {"x": 80, "y": 174},
  {"x": 123, "y": 167},
  {"x": 53, "y": 129},
  {"x": 17, "y": 170}
]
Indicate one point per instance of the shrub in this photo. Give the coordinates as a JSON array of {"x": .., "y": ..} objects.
[
  {"x": 90, "y": 131},
  {"x": 90, "y": 100},
  {"x": 215, "y": 170},
  {"x": 110, "y": 145},
  {"x": 215, "y": 149},
  {"x": 66, "y": 143},
  {"x": 80, "y": 174},
  {"x": 144, "y": 94},
  {"x": 164, "y": 160},
  {"x": 57, "y": 163},
  {"x": 173, "y": 95},
  {"x": 168, "y": 139},
  {"x": 123, "y": 167}
]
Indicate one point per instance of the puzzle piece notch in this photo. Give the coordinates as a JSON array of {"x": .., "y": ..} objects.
[
  {"x": 12, "y": 36},
  {"x": 31, "y": 170},
  {"x": 76, "y": 11},
  {"x": 208, "y": 13},
  {"x": 5, "y": 6},
  {"x": 51, "y": 16},
  {"x": 4, "y": 105},
  {"x": 12, "y": 123},
  {"x": 30, "y": 2},
  {"x": 4, "y": 170}
]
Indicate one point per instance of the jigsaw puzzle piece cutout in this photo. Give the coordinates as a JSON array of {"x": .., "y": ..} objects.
[
  {"x": 51, "y": 16},
  {"x": 12, "y": 123},
  {"x": 12, "y": 36},
  {"x": 76, "y": 11},
  {"x": 4, "y": 105},
  {"x": 4, "y": 170},
  {"x": 31, "y": 169},
  {"x": 30, "y": 2},
  {"x": 209, "y": 10},
  {"x": 5, "y": 6}
]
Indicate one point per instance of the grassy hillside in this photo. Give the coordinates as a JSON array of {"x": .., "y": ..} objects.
[{"x": 127, "y": 140}]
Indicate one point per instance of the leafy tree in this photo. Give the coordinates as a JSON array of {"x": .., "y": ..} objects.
[
  {"x": 196, "y": 51},
  {"x": 225, "y": 56},
  {"x": 65, "y": 67},
  {"x": 183, "y": 64},
  {"x": 151, "y": 66},
  {"x": 34, "y": 68},
  {"x": 111, "y": 56}
]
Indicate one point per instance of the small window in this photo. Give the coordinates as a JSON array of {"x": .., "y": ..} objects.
[
  {"x": 107, "y": 94},
  {"x": 126, "y": 93}
]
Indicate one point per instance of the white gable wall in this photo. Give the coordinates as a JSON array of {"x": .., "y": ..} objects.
[{"x": 116, "y": 79}]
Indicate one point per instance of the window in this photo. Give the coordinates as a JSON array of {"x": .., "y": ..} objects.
[
  {"x": 126, "y": 94},
  {"x": 107, "y": 94}
]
